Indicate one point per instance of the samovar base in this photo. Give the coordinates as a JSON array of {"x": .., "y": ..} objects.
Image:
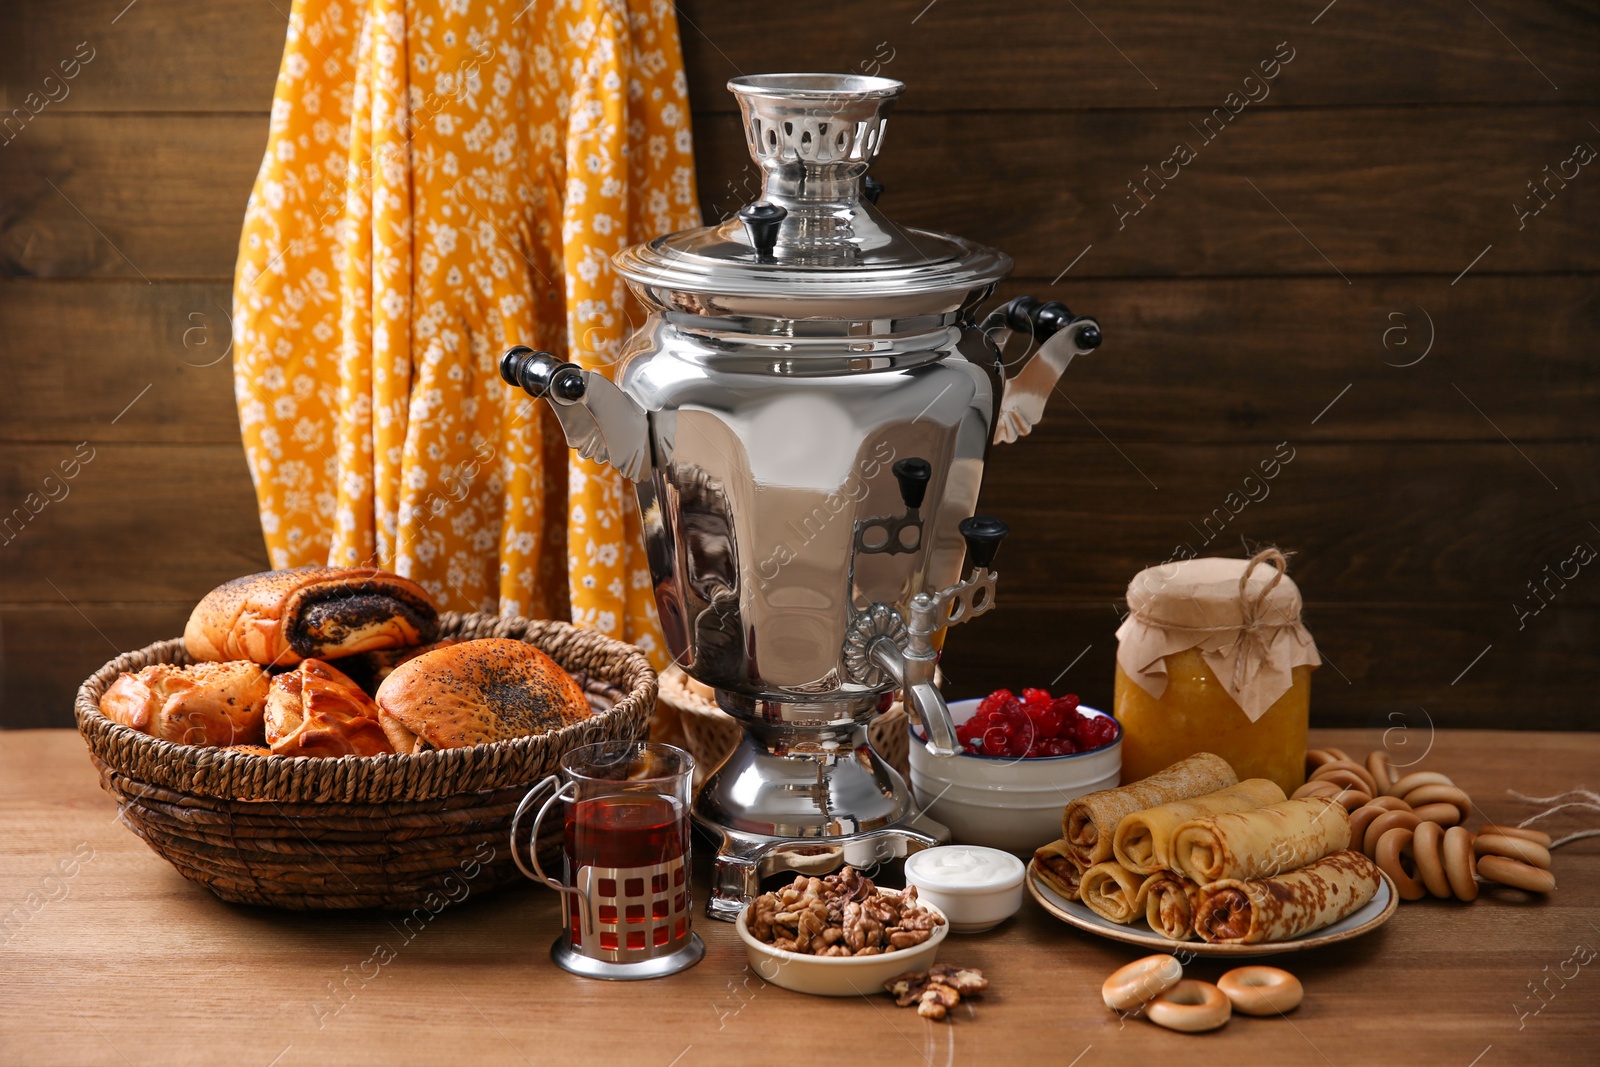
[{"x": 744, "y": 860}]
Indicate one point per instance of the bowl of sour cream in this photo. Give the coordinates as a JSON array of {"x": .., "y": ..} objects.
[{"x": 976, "y": 887}]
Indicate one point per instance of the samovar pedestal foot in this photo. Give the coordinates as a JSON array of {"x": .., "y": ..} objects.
[{"x": 744, "y": 860}]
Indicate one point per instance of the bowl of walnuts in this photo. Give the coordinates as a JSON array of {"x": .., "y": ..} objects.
[{"x": 841, "y": 935}]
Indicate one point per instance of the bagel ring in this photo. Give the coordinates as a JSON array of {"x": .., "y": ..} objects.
[
  {"x": 1319, "y": 756},
  {"x": 1527, "y": 833},
  {"x": 1515, "y": 874},
  {"x": 1261, "y": 990},
  {"x": 1359, "y": 776},
  {"x": 1456, "y": 856},
  {"x": 1513, "y": 848},
  {"x": 1415, "y": 779},
  {"x": 1382, "y": 825},
  {"x": 1381, "y": 767},
  {"x": 1351, "y": 799},
  {"x": 1132, "y": 985},
  {"x": 1316, "y": 787},
  {"x": 1427, "y": 852},
  {"x": 1442, "y": 813},
  {"x": 1393, "y": 846},
  {"x": 1362, "y": 818},
  {"x": 1191, "y": 1007}
]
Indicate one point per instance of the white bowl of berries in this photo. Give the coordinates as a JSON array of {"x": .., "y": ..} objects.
[{"x": 1023, "y": 757}]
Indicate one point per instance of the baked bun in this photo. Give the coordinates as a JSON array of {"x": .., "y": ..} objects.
[
  {"x": 314, "y": 710},
  {"x": 475, "y": 692},
  {"x": 250, "y": 750},
  {"x": 209, "y": 704},
  {"x": 281, "y": 617},
  {"x": 369, "y": 669}
]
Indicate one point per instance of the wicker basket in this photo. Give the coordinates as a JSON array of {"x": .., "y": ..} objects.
[
  {"x": 711, "y": 734},
  {"x": 387, "y": 831}
]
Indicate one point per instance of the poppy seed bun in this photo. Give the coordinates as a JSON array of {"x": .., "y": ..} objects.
[
  {"x": 278, "y": 618},
  {"x": 475, "y": 692}
]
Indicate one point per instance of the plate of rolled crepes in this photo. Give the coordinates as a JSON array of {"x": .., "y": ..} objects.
[{"x": 1194, "y": 859}]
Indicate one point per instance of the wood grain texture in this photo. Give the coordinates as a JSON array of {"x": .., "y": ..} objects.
[
  {"x": 1394, "y": 144},
  {"x": 137, "y": 522},
  {"x": 1411, "y": 190},
  {"x": 1047, "y": 56},
  {"x": 955, "y": 57},
  {"x": 47, "y": 650},
  {"x": 1419, "y": 523},
  {"x": 83, "y": 352},
  {"x": 1186, "y": 360},
  {"x": 144, "y": 197},
  {"x": 1345, "y": 191},
  {"x": 90, "y": 952},
  {"x": 1385, "y": 665}
]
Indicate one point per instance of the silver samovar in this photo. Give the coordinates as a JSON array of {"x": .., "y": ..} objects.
[{"x": 804, "y": 416}]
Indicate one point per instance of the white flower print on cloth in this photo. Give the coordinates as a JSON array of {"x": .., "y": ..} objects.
[{"x": 443, "y": 180}]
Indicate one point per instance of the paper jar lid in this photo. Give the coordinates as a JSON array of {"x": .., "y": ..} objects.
[{"x": 1242, "y": 615}]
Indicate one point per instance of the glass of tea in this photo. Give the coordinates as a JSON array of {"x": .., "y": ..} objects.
[{"x": 626, "y": 879}]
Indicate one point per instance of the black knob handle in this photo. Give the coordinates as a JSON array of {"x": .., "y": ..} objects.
[
  {"x": 872, "y": 188},
  {"x": 983, "y": 534},
  {"x": 913, "y": 475},
  {"x": 1089, "y": 337},
  {"x": 540, "y": 373},
  {"x": 761, "y": 221}
]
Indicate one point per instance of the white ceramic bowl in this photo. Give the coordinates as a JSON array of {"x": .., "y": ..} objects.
[
  {"x": 973, "y": 898},
  {"x": 1007, "y": 802},
  {"x": 838, "y": 976}
]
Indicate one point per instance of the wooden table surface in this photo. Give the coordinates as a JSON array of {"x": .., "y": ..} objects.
[{"x": 122, "y": 961}]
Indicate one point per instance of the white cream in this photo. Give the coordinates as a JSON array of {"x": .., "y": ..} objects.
[
  {"x": 976, "y": 887},
  {"x": 963, "y": 867}
]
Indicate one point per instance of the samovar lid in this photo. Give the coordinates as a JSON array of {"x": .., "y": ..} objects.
[{"x": 812, "y": 233}]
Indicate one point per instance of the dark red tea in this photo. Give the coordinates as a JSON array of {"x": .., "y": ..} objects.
[{"x": 625, "y": 831}]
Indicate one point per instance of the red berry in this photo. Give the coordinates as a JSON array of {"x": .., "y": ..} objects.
[
  {"x": 1036, "y": 696},
  {"x": 994, "y": 700},
  {"x": 1049, "y": 723},
  {"x": 994, "y": 741}
]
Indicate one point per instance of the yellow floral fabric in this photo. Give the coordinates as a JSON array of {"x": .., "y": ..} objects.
[{"x": 444, "y": 179}]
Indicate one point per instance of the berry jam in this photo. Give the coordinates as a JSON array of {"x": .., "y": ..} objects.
[{"x": 1035, "y": 724}]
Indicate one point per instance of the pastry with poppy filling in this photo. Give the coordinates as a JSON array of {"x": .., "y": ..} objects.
[{"x": 278, "y": 618}]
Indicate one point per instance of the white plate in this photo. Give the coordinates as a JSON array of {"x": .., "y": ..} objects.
[{"x": 1363, "y": 920}]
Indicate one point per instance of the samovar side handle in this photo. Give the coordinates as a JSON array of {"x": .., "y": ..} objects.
[
  {"x": 600, "y": 421},
  {"x": 1061, "y": 335}
]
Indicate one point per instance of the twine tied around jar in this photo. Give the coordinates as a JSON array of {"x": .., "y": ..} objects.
[{"x": 1252, "y": 639}]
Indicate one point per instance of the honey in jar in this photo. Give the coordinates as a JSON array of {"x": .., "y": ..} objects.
[{"x": 1213, "y": 657}]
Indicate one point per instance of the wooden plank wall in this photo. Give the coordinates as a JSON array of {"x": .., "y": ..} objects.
[{"x": 1341, "y": 275}]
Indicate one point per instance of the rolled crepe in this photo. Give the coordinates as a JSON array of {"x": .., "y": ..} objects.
[
  {"x": 1169, "y": 906},
  {"x": 1261, "y": 842},
  {"x": 1057, "y": 869},
  {"x": 1144, "y": 838},
  {"x": 1090, "y": 821},
  {"x": 1240, "y": 912},
  {"x": 1113, "y": 892}
]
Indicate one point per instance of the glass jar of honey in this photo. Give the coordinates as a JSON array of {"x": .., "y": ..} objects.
[{"x": 1213, "y": 657}]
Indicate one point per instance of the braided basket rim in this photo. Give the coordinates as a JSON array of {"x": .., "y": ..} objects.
[{"x": 244, "y": 776}]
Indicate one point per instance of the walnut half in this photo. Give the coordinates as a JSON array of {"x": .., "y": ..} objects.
[{"x": 933, "y": 993}]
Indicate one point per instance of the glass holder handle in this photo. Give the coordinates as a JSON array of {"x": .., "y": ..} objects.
[{"x": 537, "y": 873}]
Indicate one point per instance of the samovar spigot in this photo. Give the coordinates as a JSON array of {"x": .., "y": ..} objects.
[{"x": 910, "y": 659}]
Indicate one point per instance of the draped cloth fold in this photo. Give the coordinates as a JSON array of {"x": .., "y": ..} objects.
[{"x": 443, "y": 180}]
